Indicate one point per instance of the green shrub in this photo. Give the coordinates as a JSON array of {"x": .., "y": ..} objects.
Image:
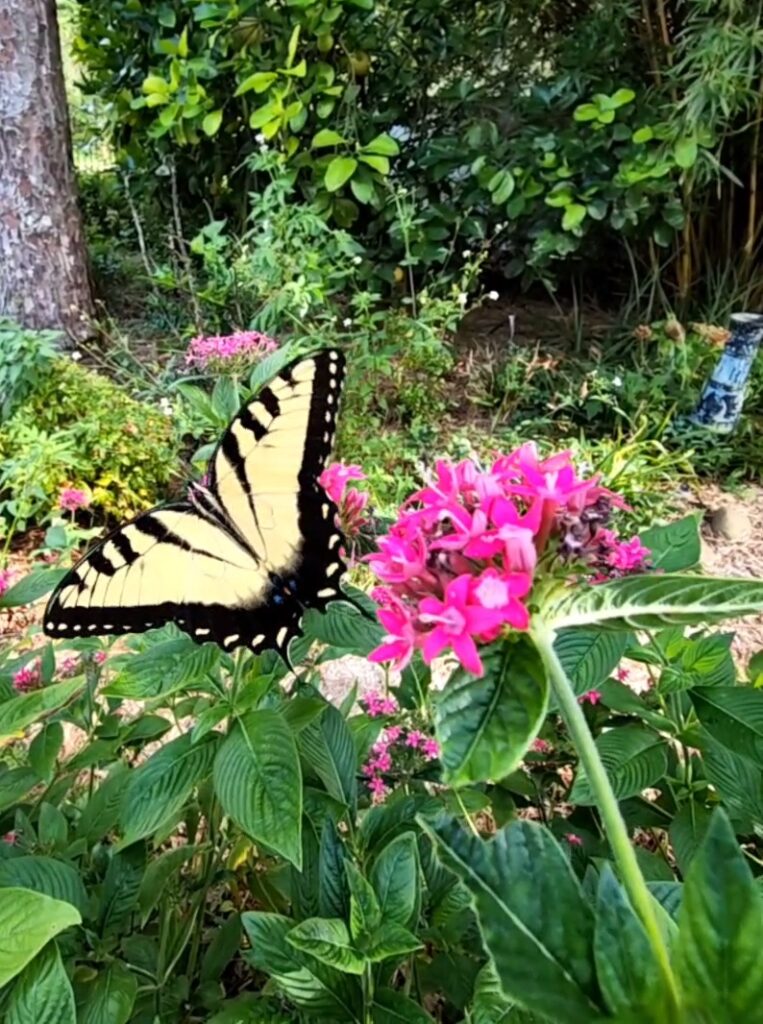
[
  {"x": 80, "y": 427},
  {"x": 25, "y": 357}
]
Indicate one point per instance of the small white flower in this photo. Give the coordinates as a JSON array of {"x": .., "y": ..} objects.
[
  {"x": 303, "y": 311},
  {"x": 259, "y": 138},
  {"x": 347, "y": 322},
  {"x": 463, "y": 298},
  {"x": 617, "y": 381},
  {"x": 165, "y": 405},
  {"x": 76, "y": 356},
  {"x": 357, "y": 260},
  {"x": 493, "y": 296},
  {"x": 466, "y": 253}
]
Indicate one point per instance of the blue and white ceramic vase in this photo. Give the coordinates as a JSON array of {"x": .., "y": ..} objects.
[{"x": 721, "y": 403}]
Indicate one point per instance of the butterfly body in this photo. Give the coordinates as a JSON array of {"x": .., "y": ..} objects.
[{"x": 241, "y": 560}]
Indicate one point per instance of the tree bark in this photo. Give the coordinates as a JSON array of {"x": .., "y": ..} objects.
[{"x": 44, "y": 280}]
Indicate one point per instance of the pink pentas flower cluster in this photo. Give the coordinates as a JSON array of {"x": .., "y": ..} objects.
[
  {"x": 398, "y": 746},
  {"x": 28, "y": 678},
  {"x": 73, "y": 498},
  {"x": 377, "y": 704},
  {"x": 68, "y": 667},
  {"x": 457, "y": 566},
  {"x": 229, "y": 352},
  {"x": 352, "y": 504}
]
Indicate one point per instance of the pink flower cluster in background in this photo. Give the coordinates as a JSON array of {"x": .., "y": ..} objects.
[
  {"x": 6, "y": 578},
  {"x": 457, "y": 566},
  {"x": 222, "y": 352},
  {"x": 395, "y": 741},
  {"x": 28, "y": 678},
  {"x": 73, "y": 498},
  {"x": 335, "y": 480}
]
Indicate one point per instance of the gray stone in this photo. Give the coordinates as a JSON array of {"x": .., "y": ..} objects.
[{"x": 732, "y": 523}]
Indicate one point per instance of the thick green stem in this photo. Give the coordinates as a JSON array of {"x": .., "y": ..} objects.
[{"x": 606, "y": 801}]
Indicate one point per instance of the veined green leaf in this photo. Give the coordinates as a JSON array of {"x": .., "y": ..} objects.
[
  {"x": 45, "y": 875},
  {"x": 328, "y": 940},
  {"x": 28, "y": 921},
  {"x": 328, "y": 747},
  {"x": 485, "y": 726},
  {"x": 588, "y": 656},
  {"x": 675, "y": 546},
  {"x": 651, "y": 602},
  {"x": 535, "y": 920},
  {"x": 721, "y": 930},
  {"x": 258, "y": 781},
  {"x": 32, "y": 587},
  {"x": 111, "y": 997},
  {"x": 394, "y": 877},
  {"x": 43, "y": 993},
  {"x": 734, "y": 716},
  {"x": 634, "y": 758},
  {"x": 339, "y": 171},
  {"x": 392, "y": 1007},
  {"x": 19, "y": 712}
]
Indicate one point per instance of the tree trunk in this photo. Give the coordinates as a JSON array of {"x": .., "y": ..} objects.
[{"x": 44, "y": 280}]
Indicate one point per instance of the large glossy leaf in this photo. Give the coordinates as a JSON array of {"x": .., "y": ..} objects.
[
  {"x": 121, "y": 885},
  {"x": 19, "y": 712},
  {"x": 158, "y": 875},
  {"x": 343, "y": 628},
  {"x": 484, "y": 726},
  {"x": 721, "y": 931},
  {"x": 736, "y": 779},
  {"x": 650, "y": 602},
  {"x": 625, "y": 963},
  {"x": 734, "y": 716},
  {"x": 390, "y": 941},
  {"x": 394, "y": 877},
  {"x": 163, "y": 669},
  {"x": 28, "y": 921},
  {"x": 490, "y": 1005},
  {"x": 687, "y": 830},
  {"x": 634, "y": 757},
  {"x": 365, "y": 912},
  {"x": 534, "y": 917},
  {"x": 319, "y": 990},
  {"x": 328, "y": 747},
  {"x": 46, "y": 875},
  {"x": 391, "y": 1007},
  {"x": 328, "y": 940},
  {"x": 42, "y": 993},
  {"x": 675, "y": 546},
  {"x": 15, "y": 783},
  {"x": 258, "y": 781},
  {"x": 111, "y": 997},
  {"x": 160, "y": 787},
  {"x": 32, "y": 587},
  {"x": 589, "y": 656},
  {"x": 333, "y": 891},
  {"x": 101, "y": 813}
]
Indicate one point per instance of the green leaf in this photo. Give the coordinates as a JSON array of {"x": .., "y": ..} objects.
[
  {"x": 111, "y": 997},
  {"x": 485, "y": 726},
  {"x": 101, "y": 813},
  {"x": 159, "y": 789},
  {"x": 686, "y": 151},
  {"x": 390, "y": 940},
  {"x": 634, "y": 759},
  {"x": 32, "y": 587},
  {"x": 259, "y": 81},
  {"x": 155, "y": 84},
  {"x": 314, "y": 987},
  {"x": 121, "y": 886},
  {"x": 491, "y": 1006},
  {"x": 327, "y": 137},
  {"x": 43, "y": 993},
  {"x": 19, "y": 712},
  {"x": 391, "y": 1007},
  {"x": 15, "y": 783},
  {"x": 343, "y": 628},
  {"x": 328, "y": 747},
  {"x": 223, "y": 947},
  {"x": 365, "y": 912},
  {"x": 211, "y": 123},
  {"x": 28, "y": 921},
  {"x": 675, "y": 546},
  {"x": 380, "y": 164},
  {"x": 625, "y": 961},
  {"x": 586, "y": 112},
  {"x": 333, "y": 891},
  {"x": 258, "y": 781},
  {"x": 734, "y": 716},
  {"x": 382, "y": 145},
  {"x": 668, "y": 895},
  {"x": 394, "y": 877},
  {"x": 721, "y": 931},
  {"x": 650, "y": 602},
  {"x": 622, "y": 97},
  {"x": 163, "y": 669},
  {"x": 534, "y": 917},
  {"x": 501, "y": 186},
  {"x": 574, "y": 215},
  {"x": 339, "y": 171},
  {"x": 44, "y": 749},
  {"x": 46, "y": 875},
  {"x": 641, "y": 135},
  {"x": 157, "y": 877},
  {"x": 736, "y": 779},
  {"x": 589, "y": 656},
  {"x": 687, "y": 830},
  {"x": 328, "y": 940}
]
